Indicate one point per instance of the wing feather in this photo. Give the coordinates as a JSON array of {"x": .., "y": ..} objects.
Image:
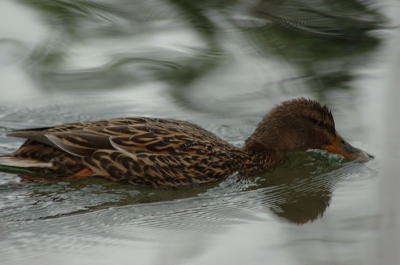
[
  {"x": 158, "y": 170},
  {"x": 79, "y": 144}
]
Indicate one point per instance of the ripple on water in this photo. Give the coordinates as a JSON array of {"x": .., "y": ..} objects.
[
  {"x": 61, "y": 199},
  {"x": 79, "y": 217}
]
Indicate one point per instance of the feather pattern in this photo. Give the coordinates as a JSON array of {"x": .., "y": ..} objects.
[{"x": 141, "y": 151}]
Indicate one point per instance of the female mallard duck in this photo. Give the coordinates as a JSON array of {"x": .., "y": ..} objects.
[{"x": 167, "y": 152}]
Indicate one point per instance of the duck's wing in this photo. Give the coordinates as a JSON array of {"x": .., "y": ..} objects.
[
  {"x": 150, "y": 152},
  {"x": 137, "y": 135},
  {"x": 158, "y": 169}
]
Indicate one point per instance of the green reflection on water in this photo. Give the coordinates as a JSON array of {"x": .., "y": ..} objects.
[{"x": 321, "y": 40}]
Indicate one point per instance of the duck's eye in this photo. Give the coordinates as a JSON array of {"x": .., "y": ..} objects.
[{"x": 320, "y": 123}]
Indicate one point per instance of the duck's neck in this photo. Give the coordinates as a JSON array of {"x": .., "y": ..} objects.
[{"x": 263, "y": 158}]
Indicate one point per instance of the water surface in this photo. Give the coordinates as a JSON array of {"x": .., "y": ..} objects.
[{"x": 219, "y": 64}]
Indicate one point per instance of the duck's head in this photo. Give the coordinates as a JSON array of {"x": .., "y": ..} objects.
[{"x": 300, "y": 125}]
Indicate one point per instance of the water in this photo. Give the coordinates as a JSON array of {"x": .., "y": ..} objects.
[{"x": 221, "y": 65}]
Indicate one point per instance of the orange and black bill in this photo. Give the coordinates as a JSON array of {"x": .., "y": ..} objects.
[{"x": 342, "y": 147}]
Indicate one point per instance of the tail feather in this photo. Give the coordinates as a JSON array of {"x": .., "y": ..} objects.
[
  {"x": 23, "y": 162},
  {"x": 19, "y": 165}
]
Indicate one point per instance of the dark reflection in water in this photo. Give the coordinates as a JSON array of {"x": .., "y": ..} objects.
[{"x": 302, "y": 192}]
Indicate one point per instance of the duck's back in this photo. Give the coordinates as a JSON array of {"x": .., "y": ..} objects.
[{"x": 142, "y": 151}]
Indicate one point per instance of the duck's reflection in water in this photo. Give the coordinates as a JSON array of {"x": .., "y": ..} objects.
[{"x": 301, "y": 191}]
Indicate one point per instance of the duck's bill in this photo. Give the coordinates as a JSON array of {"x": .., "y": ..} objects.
[{"x": 342, "y": 147}]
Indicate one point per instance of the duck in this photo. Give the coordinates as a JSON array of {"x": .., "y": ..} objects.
[{"x": 158, "y": 152}]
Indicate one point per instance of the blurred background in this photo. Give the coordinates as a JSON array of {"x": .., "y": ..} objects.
[{"x": 221, "y": 64}]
